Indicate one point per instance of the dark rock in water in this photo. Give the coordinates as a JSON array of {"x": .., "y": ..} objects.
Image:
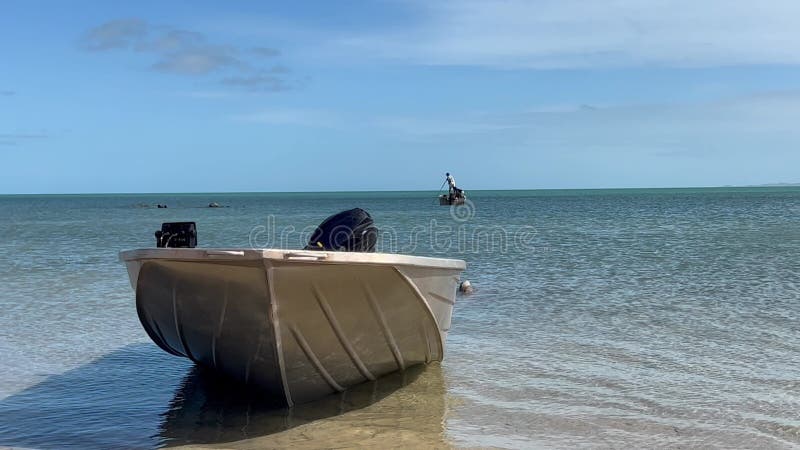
[{"x": 161, "y": 205}]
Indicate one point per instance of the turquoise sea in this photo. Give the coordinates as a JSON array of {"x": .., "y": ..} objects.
[{"x": 602, "y": 318}]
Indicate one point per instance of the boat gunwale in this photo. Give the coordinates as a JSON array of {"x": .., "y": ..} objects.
[{"x": 290, "y": 256}]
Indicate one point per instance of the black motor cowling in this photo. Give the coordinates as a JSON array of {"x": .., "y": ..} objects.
[
  {"x": 177, "y": 235},
  {"x": 347, "y": 231}
]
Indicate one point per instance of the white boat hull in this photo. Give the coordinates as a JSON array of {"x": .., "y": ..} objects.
[{"x": 298, "y": 325}]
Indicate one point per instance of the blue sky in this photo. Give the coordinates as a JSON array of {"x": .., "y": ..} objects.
[{"x": 388, "y": 95}]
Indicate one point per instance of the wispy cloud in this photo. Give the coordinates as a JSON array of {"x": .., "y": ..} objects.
[
  {"x": 12, "y": 139},
  {"x": 197, "y": 61},
  {"x": 209, "y": 94},
  {"x": 116, "y": 34},
  {"x": 317, "y": 118},
  {"x": 273, "y": 79},
  {"x": 754, "y": 124},
  {"x": 433, "y": 127},
  {"x": 749, "y": 124},
  {"x": 549, "y": 34},
  {"x": 265, "y": 52},
  {"x": 190, "y": 53},
  {"x": 6, "y": 93}
]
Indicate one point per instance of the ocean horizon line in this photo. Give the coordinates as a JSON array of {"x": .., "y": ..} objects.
[{"x": 387, "y": 191}]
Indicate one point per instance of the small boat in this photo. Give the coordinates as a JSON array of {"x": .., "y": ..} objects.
[
  {"x": 450, "y": 199},
  {"x": 296, "y": 324},
  {"x": 455, "y": 196}
]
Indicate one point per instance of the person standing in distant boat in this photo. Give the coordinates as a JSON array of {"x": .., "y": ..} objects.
[
  {"x": 455, "y": 192},
  {"x": 451, "y": 182}
]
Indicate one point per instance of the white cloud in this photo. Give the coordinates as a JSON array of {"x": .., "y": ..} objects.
[{"x": 575, "y": 34}]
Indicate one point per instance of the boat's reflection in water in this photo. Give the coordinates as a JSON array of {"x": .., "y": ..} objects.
[{"x": 402, "y": 408}]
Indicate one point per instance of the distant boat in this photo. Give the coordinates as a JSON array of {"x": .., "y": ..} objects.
[
  {"x": 454, "y": 196},
  {"x": 450, "y": 199}
]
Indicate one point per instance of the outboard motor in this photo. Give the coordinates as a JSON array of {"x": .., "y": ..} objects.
[
  {"x": 177, "y": 235},
  {"x": 348, "y": 231}
]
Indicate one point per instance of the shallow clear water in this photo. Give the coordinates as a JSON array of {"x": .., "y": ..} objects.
[{"x": 622, "y": 318}]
